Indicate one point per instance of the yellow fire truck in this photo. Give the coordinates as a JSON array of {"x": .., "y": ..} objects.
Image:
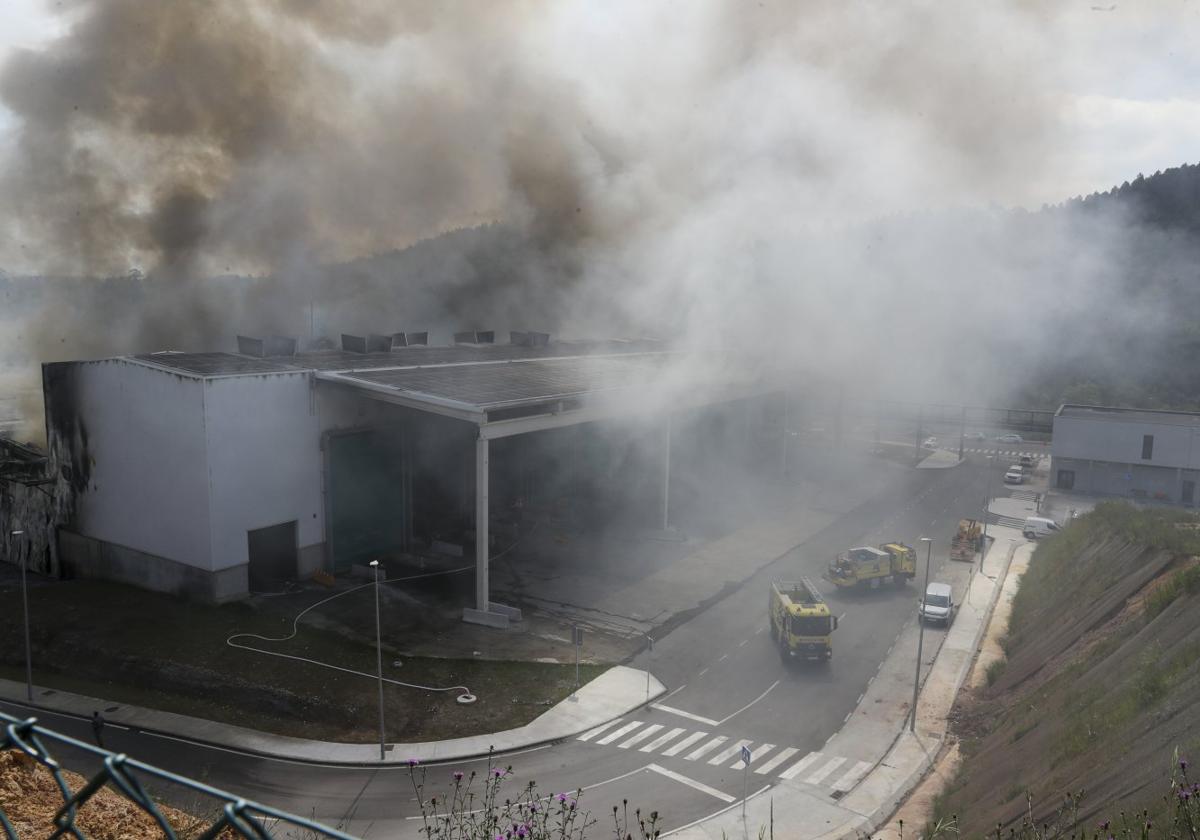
[
  {"x": 801, "y": 622},
  {"x": 892, "y": 562}
]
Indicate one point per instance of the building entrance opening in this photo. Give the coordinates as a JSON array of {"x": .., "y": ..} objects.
[
  {"x": 273, "y": 556},
  {"x": 1188, "y": 492},
  {"x": 369, "y": 488}
]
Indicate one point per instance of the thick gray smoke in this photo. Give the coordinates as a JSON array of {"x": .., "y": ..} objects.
[{"x": 713, "y": 172}]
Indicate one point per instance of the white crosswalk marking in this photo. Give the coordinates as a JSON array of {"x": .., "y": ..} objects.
[
  {"x": 755, "y": 754},
  {"x": 706, "y": 749},
  {"x": 639, "y": 737},
  {"x": 589, "y": 735},
  {"x": 660, "y": 740},
  {"x": 617, "y": 733},
  {"x": 826, "y": 769},
  {"x": 728, "y": 753},
  {"x": 684, "y": 744},
  {"x": 799, "y": 767},
  {"x": 850, "y": 778},
  {"x": 779, "y": 758}
]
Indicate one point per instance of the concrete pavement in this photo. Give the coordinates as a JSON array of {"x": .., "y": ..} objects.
[
  {"x": 616, "y": 692},
  {"x": 877, "y": 731}
]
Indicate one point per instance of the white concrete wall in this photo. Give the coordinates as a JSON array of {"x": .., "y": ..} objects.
[
  {"x": 145, "y": 444},
  {"x": 264, "y": 460},
  {"x": 1121, "y": 442}
]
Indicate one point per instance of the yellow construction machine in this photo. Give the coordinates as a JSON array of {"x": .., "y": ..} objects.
[{"x": 867, "y": 567}]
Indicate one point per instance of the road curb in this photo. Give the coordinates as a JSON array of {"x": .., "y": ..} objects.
[{"x": 568, "y": 718}]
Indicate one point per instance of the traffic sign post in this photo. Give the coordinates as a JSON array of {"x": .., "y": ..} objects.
[
  {"x": 577, "y": 639},
  {"x": 745, "y": 778}
]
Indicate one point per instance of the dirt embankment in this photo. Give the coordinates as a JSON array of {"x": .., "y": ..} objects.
[{"x": 1101, "y": 685}]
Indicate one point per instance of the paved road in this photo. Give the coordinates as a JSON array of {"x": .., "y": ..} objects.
[{"x": 728, "y": 688}]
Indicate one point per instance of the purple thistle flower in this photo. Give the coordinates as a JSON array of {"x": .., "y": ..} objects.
[
  {"x": 412, "y": 762},
  {"x": 458, "y": 776},
  {"x": 533, "y": 807},
  {"x": 562, "y": 797},
  {"x": 497, "y": 772},
  {"x": 1103, "y": 826},
  {"x": 1183, "y": 764}
]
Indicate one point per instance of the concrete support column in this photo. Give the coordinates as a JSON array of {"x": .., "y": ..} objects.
[
  {"x": 481, "y": 524},
  {"x": 666, "y": 476},
  {"x": 486, "y": 611}
]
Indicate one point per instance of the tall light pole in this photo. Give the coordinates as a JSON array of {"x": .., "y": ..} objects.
[
  {"x": 25, "y": 610},
  {"x": 912, "y": 725},
  {"x": 379, "y": 659},
  {"x": 987, "y": 501}
]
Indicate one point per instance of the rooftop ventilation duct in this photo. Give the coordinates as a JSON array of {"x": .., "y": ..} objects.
[
  {"x": 248, "y": 346},
  {"x": 416, "y": 338},
  {"x": 279, "y": 345},
  {"x": 529, "y": 339},
  {"x": 354, "y": 343},
  {"x": 476, "y": 337},
  {"x": 379, "y": 343}
]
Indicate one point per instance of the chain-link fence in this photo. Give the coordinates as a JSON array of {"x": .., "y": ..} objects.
[{"x": 236, "y": 816}]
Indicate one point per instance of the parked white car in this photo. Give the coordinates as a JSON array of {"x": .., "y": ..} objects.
[{"x": 1015, "y": 475}]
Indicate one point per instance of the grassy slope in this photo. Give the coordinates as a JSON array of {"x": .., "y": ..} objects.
[{"x": 1102, "y": 680}]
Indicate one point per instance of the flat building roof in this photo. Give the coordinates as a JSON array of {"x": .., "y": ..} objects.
[{"x": 1128, "y": 415}]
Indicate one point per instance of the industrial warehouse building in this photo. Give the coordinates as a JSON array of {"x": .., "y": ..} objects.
[
  {"x": 1133, "y": 453},
  {"x": 218, "y": 474}
]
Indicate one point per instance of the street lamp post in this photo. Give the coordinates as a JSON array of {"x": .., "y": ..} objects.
[
  {"x": 912, "y": 725},
  {"x": 25, "y": 611},
  {"x": 987, "y": 501},
  {"x": 379, "y": 660}
]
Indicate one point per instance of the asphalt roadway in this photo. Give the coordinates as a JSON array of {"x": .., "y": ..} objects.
[{"x": 727, "y": 683}]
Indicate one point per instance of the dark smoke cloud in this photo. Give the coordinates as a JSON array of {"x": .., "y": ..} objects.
[{"x": 698, "y": 170}]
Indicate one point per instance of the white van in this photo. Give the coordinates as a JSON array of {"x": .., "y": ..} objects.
[
  {"x": 1040, "y": 526},
  {"x": 937, "y": 605}
]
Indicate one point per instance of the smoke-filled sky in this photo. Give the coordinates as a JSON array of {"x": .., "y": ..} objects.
[{"x": 714, "y": 168}]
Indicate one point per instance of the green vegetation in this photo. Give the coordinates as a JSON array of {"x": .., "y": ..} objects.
[{"x": 1099, "y": 681}]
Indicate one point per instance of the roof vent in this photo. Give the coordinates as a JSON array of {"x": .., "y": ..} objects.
[
  {"x": 354, "y": 343},
  {"x": 248, "y": 346},
  {"x": 529, "y": 339},
  {"x": 379, "y": 343},
  {"x": 416, "y": 338},
  {"x": 477, "y": 337},
  {"x": 279, "y": 345}
]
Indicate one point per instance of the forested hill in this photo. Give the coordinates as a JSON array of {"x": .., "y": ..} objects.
[
  {"x": 1150, "y": 356},
  {"x": 1168, "y": 200}
]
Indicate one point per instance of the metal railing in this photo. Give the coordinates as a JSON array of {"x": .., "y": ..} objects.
[{"x": 121, "y": 773}]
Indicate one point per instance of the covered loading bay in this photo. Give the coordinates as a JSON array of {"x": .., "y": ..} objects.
[{"x": 469, "y": 418}]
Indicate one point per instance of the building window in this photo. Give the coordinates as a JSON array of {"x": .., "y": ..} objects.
[{"x": 1147, "y": 447}]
